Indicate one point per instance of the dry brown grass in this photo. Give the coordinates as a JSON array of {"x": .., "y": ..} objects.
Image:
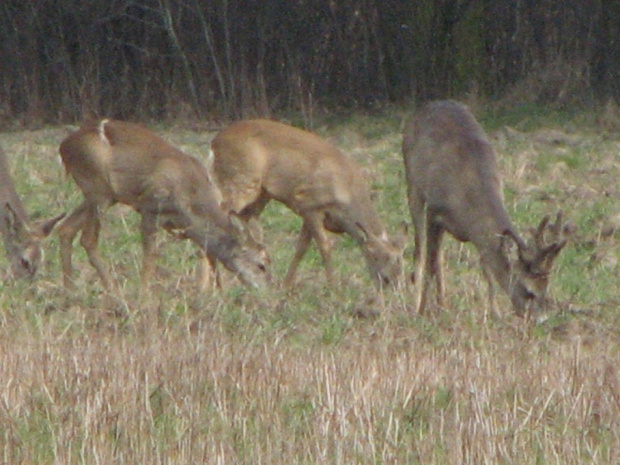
[
  {"x": 317, "y": 375},
  {"x": 197, "y": 392}
]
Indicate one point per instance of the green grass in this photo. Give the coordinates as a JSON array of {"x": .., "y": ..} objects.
[{"x": 322, "y": 374}]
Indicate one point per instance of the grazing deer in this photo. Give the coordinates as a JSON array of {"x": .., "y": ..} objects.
[
  {"x": 119, "y": 162},
  {"x": 454, "y": 185},
  {"x": 22, "y": 239},
  {"x": 255, "y": 161}
]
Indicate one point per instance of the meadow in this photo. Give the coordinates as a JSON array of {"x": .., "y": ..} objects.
[{"x": 336, "y": 375}]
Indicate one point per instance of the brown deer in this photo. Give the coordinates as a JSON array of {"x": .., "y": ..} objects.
[
  {"x": 454, "y": 185},
  {"x": 119, "y": 162},
  {"x": 22, "y": 239},
  {"x": 255, "y": 161}
]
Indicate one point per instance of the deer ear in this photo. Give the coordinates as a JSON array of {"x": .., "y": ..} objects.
[
  {"x": 236, "y": 221},
  {"x": 400, "y": 240},
  {"x": 45, "y": 227},
  {"x": 505, "y": 243},
  {"x": 509, "y": 233},
  {"x": 14, "y": 225},
  {"x": 255, "y": 230},
  {"x": 244, "y": 230},
  {"x": 521, "y": 247},
  {"x": 363, "y": 233}
]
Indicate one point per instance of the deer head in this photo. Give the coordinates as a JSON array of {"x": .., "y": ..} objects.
[
  {"x": 23, "y": 241},
  {"x": 530, "y": 273},
  {"x": 384, "y": 257}
]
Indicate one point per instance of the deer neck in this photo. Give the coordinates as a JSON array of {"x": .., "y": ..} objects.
[
  {"x": 13, "y": 230},
  {"x": 494, "y": 259}
]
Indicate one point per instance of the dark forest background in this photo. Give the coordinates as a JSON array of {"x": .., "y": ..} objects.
[{"x": 62, "y": 60}]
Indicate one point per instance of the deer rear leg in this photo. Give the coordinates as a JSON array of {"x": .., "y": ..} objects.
[
  {"x": 434, "y": 259},
  {"x": 89, "y": 240},
  {"x": 67, "y": 232}
]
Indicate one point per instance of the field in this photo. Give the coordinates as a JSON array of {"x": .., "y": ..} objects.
[{"x": 336, "y": 375}]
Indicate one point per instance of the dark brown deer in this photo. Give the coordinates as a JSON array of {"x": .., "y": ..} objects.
[
  {"x": 22, "y": 239},
  {"x": 454, "y": 185},
  {"x": 119, "y": 162},
  {"x": 255, "y": 161}
]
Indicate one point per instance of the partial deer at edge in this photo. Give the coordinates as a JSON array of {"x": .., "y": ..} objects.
[
  {"x": 454, "y": 185},
  {"x": 255, "y": 161},
  {"x": 119, "y": 162},
  {"x": 22, "y": 239}
]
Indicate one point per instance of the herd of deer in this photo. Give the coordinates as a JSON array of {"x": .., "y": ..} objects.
[{"x": 452, "y": 178}]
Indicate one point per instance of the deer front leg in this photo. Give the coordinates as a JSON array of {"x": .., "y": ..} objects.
[
  {"x": 148, "y": 229},
  {"x": 420, "y": 255},
  {"x": 488, "y": 276},
  {"x": 305, "y": 236},
  {"x": 324, "y": 245},
  {"x": 207, "y": 268}
]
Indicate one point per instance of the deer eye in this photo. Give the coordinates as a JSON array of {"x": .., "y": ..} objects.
[
  {"x": 528, "y": 267},
  {"x": 532, "y": 270},
  {"x": 537, "y": 274},
  {"x": 26, "y": 265}
]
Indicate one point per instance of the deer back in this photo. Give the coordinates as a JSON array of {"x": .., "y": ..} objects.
[
  {"x": 116, "y": 161},
  {"x": 452, "y": 169},
  {"x": 295, "y": 167}
]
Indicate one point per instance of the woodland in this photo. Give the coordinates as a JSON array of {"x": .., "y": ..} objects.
[{"x": 63, "y": 60}]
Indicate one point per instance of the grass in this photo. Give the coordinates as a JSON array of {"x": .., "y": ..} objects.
[{"x": 335, "y": 375}]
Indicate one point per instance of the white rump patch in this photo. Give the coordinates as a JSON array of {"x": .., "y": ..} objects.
[
  {"x": 102, "y": 136},
  {"x": 210, "y": 159}
]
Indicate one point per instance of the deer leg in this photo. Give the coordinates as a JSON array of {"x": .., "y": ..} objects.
[
  {"x": 324, "y": 245},
  {"x": 488, "y": 276},
  {"x": 148, "y": 229},
  {"x": 434, "y": 259},
  {"x": 203, "y": 272},
  {"x": 207, "y": 267},
  {"x": 67, "y": 232},
  {"x": 420, "y": 255},
  {"x": 305, "y": 236},
  {"x": 89, "y": 240}
]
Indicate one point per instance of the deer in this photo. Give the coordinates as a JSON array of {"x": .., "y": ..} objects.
[
  {"x": 22, "y": 238},
  {"x": 255, "y": 161},
  {"x": 114, "y": 162},
  {"x": 454, "y": 186}
]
